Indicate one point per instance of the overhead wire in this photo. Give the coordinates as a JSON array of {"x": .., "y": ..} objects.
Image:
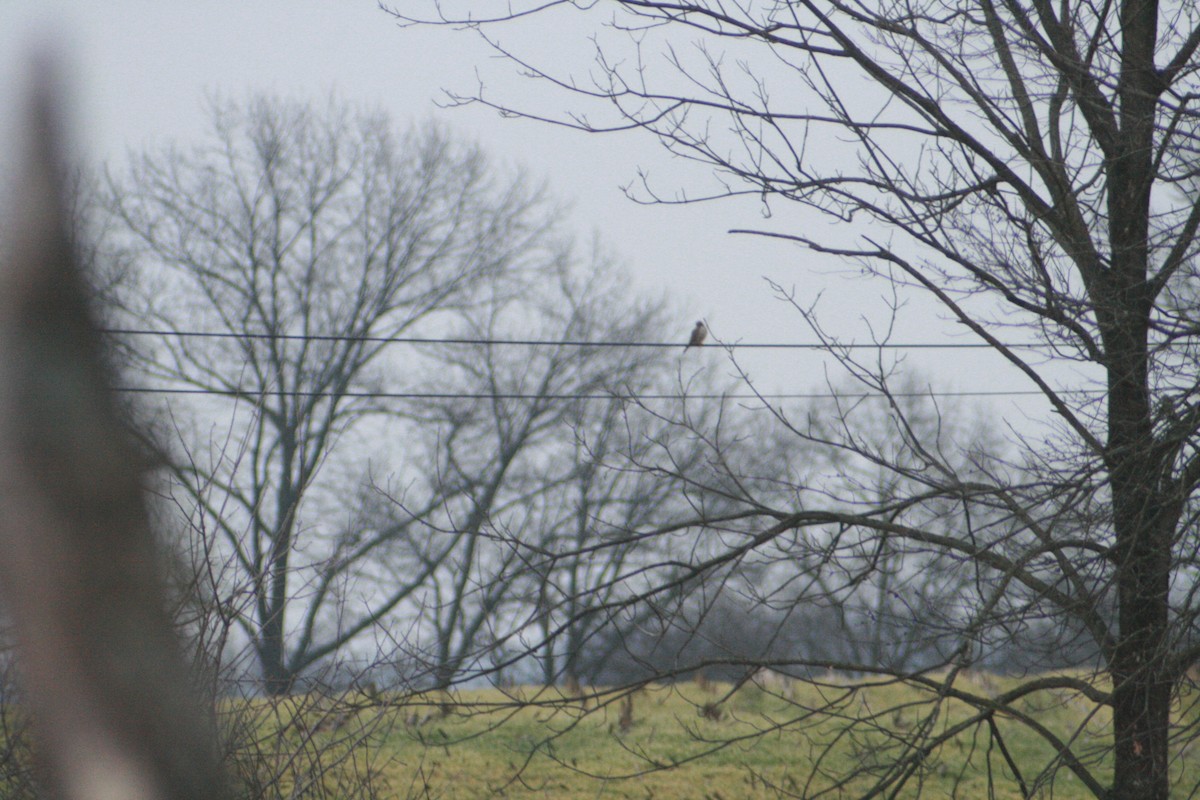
[
  {"x": 409, "y": 395},
  {"x": 311, "y": 337},
  {"x": 384, "y": 395}
]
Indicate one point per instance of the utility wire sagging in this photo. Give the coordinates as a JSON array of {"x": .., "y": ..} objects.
[
  {"x": 236, "y": 393},
  {"x": 416, "y": 340},
  {"x": 564, "y": 343}
]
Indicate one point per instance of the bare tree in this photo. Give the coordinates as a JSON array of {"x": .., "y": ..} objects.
[
  {"x": 272, "y": 266},
  {"x": 1029, "y": 166},
  {"x": 581, "y": 548},
  {"x": 531, "y": 383}
]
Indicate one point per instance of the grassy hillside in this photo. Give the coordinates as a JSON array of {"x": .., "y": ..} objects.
[{"x": 690, "y": 741}]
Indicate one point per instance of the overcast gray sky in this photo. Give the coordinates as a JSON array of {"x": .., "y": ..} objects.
[{"x": 140, "y": 72}]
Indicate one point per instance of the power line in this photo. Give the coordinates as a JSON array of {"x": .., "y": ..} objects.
[
  {"x": 252, "y": 395},
  {"x": 247, "y": 395},
  {"x": 423, "y": 340}
]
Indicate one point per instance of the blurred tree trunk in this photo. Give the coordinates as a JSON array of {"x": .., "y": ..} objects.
[{"x": 111, "y": 697}]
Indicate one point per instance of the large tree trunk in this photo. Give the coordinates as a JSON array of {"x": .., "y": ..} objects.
[
  {"x": 1143, "y": 525},
  {"x": 276, "y": 677},
  {"x": 1141, "y": 680}
]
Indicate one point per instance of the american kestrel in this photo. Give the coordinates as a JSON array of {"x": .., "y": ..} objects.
[{"x": 698, "y": 334}]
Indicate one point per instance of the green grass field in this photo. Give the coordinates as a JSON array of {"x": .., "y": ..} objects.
[{"x": 694, "y": 741}]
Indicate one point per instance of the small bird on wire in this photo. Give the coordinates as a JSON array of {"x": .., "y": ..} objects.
[{"x": 698, "y": 335}]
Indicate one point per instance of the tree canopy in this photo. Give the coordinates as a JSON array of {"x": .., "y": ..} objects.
[{"x": 1029, "y": 165}]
